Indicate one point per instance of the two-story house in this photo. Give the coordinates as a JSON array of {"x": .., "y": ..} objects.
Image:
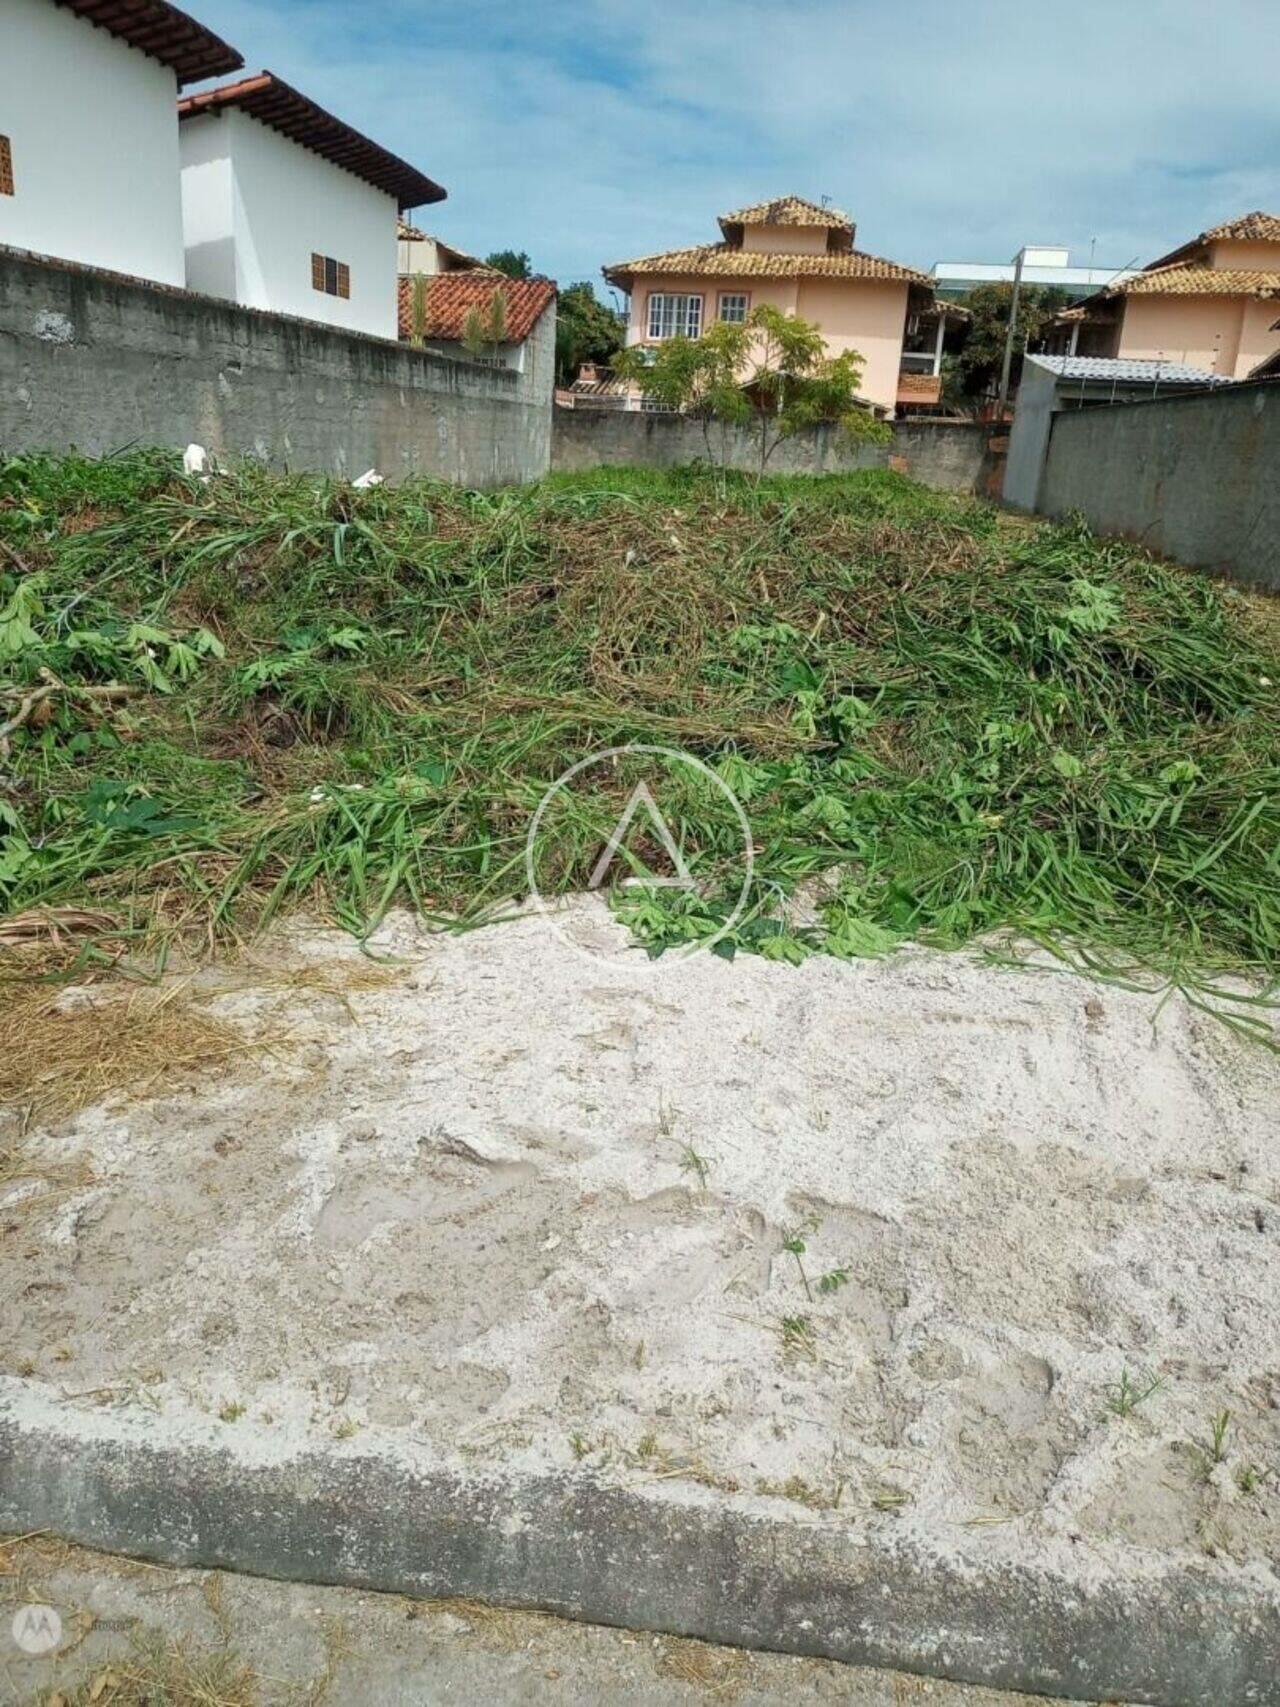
[
  {"x": 1212, "y": 303},
  {"x": 286, "y": 207},
  {"x": 89, "y": 130},
  {"x": 800, "y": 257}
]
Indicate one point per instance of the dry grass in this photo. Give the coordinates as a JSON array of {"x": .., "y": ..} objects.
[
  {"x": 722, "y": 1673},
  {"x": 165, "y": 1674},
  {"x": 61, "y": 1049}
]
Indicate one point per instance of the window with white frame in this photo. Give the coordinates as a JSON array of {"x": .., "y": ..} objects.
[
  {"x": 674, "y": 316},
  {"x": 733, "y": 307}
]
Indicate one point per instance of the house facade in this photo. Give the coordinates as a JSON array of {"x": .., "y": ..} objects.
[
  {"x": 799, "y": 257},
  {"x": 286, "y": 208},
  {"x": 89, "y": 130},
  {"x": 1212, "y": 303}
]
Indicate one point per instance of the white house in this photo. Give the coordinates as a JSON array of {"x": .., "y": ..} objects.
[
  {"x": 287, "y": 208},
  {"x": 88, "y": 130}
]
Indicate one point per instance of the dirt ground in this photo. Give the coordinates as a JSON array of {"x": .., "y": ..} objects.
[{"x": 921, "y": 1238}]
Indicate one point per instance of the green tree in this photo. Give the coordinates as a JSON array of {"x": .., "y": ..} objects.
[
  {"x": 587, "y": 330},
  {"x": 513, "y": 262},
  {"x": 981, "y": 357},
  {"x": 771, "y": 377}
]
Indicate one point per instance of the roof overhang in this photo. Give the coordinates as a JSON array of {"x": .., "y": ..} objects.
[
  {"x": 156, "y": 28},
  {"x": 271, "y": 101}
]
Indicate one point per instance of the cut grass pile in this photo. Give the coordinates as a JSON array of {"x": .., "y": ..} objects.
[{"x": 352, "y": 699}]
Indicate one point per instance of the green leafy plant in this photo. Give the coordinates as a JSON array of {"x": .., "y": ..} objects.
[
  {"x": 770, "y": 377},
  {"x": 887, "y": 678},
  {"x": 1129, "y": 1392},
  {"x": 692, "y": 1163},
  {"x": 795, "y": 1245}
]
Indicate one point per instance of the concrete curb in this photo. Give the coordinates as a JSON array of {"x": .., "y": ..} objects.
[{"x": 646, "y": 1557}]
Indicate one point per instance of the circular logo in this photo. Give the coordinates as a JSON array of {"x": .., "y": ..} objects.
[
  {"x": 644, "y": 818},
  {"x": 37, "y": 1629}
]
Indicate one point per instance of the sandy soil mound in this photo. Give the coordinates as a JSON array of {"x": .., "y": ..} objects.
[{"x": 919, "y": 1237}]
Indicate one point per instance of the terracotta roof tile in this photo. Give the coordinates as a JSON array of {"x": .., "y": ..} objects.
[
  {"x": 1198, "y": 281},
  {"x": 452, "y": 296},
  {"x": 788, "y": 210},
  {"x": 271, "y": 101},
  {"x": 728, "y": 259},
  {"x": 186, "y": 47},
  {"x": 919, "y": 387},
  {"x": 1256, "y": 227}
]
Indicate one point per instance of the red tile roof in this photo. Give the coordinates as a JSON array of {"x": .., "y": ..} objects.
[
  {"x": 1255, "y": 227},
  {"x": 731, "y": 261},
  {"x": 452, "y": 296},
  {"x": 186, "y": 47},
  {"x": 268, "y": 99}
]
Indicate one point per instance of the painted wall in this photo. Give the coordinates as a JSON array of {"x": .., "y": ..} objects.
[
  {"x": 1259, "y": 334},
  {"x": 93, "y": 129},
  {"x": 91, "y": 362},
  {"x": 1256, "y": 257},
  {"x": 866, "y": 315},
  {"x": 1203, "y": 331},
  {"x": 257, "y": 205},
  {"x": 785, "y": 239},
  {"x": 1193, "y": 478}
]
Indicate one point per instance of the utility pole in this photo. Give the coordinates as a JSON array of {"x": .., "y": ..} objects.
[{"x": 1008, "y": 340}]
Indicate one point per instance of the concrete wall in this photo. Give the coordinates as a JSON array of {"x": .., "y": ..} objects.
[
  {"x": 953, "y": 456},
  {"x": 93, "y": 129},
  {"x": 1029, "y": 439},
  {"x": 95, "y": 362},
  {"x": 1195, "y": 478},
  {"x": 256, "y": 206}
]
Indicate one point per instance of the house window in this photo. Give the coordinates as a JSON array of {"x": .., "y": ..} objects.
[
  {"x": 674, "y": 316},
  {"x": 6, "y": 167},
  {"x": 330, "y": 276},
  {"x": 733, "y": 307}
]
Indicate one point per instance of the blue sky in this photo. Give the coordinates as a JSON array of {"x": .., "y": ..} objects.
[{"x": 591, "y": 130}]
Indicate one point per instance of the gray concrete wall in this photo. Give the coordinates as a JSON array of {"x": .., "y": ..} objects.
[
  {"x": 1194, "y": 478},
  {"x": 93, "y": 362},
  {"x": 953, "y": 456},
  {"x": 1029, "y": 436}
]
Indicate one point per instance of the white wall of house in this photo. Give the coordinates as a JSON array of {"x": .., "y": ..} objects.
[
  {"x": 257, "y": 206},
  {"x": 93, "y": 133}
]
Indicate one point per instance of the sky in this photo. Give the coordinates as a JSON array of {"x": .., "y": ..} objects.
[{"x": 588, "y": 131}]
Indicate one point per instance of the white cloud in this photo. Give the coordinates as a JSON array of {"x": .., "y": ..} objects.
[{"x": 596, "y": 129}]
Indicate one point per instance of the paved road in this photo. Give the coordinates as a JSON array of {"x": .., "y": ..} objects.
[{"x": 245, "y": 1640}]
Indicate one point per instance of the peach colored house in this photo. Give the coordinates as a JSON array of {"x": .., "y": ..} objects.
[
  {"x": 1213, "y": 303},
  {"x": 799, "y": 257}
]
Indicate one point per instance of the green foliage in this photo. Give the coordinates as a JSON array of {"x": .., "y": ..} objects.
[
  {"x": 514, "y": 263},
  {"x": 771, "y": 377},
  {"x": 587, "y": 330},
  {"x": 940, "y": 724},
  {"x": 980, "y": 359}
]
